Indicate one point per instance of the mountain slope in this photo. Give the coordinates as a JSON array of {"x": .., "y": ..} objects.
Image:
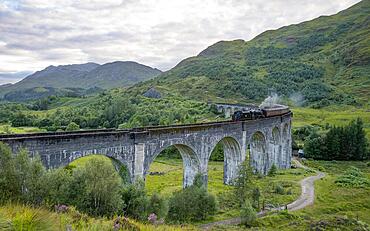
[
  {"x": 56, "y": 76},
  {"x": 118, "y": 73},
  {"x": 323, "y": 61},
  {"x": 88, "y": 75}
]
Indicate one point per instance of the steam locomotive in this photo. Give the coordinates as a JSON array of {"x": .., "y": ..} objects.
[{"x": 258, "y": 113}]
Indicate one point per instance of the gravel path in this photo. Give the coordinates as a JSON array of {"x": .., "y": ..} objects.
[{"x": 306, "y": 198}]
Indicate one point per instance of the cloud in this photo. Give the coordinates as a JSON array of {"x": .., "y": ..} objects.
[{"x": 158, "y": 33}]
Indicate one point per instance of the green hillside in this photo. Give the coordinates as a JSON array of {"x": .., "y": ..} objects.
[
  {"x": 67, "y": 79},
  {"x": 324, "y": 61}
]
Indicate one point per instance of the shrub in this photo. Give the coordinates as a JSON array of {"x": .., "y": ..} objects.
[
  {"x": 353, "y": 177},
  {"x": 72, "y": 126},
  {"x": 256, "y": 198},
  {"x": 124, "y": 174},
  {"x": 279, "y": 189},
  {"x": 191, "y": 204},
  {"x": 228, "y": 200},
  {"x": 273, "y": 170},
  {"x": 135, "y": 200},
  {"x": 321, "y": 168},
  {"x": 152, "y": 218},
  {"x": 158, "y": 205},
  {"x": 248, "y": 214},
  {"x": 122, "y": 223}
]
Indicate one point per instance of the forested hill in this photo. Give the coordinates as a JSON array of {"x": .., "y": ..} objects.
[
  {"x": 323, "y": 61},
  {"x": 82, "y": 76}
]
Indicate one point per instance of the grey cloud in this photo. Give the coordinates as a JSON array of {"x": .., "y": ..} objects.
[
  {"x": 147, "y": 31},
  {"x": 96, "y": 38}
]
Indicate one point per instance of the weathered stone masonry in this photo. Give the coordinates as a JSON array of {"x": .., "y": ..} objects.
[{"x": 268, "y": 139}]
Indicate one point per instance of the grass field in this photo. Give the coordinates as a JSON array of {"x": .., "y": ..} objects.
[
  {"x": 172, "y": 177},
  {"x": 82, "y": 161},
  {"x": 172, "y": 180},
  {"x": 335, "y": 207},
  {"x": 7, "y": 129},
  {"x": 332, "y": 115}
]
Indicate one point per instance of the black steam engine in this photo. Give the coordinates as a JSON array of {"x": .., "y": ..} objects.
[{"x": 258, "y": 113}]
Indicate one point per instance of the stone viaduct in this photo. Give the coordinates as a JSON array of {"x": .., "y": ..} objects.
[{"x": 262, "y": 141}]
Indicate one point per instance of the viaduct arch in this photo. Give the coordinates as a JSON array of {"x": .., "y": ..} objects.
[{"x": 269, "y": 140}]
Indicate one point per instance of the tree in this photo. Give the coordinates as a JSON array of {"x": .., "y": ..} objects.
[
  {"x": 57, "y": 186},
  {"x": 99, "y": 187},
  {"x": 243, "y": 183},
  {"x": 361, "y": 152},
  {"x": 333, "y": 143},
  {"x": 20, "y": 119},
  {"x": 35, "y": 191},
  {"x": 248, "y": 214},
  {"x": 135, "y": 200},
  {"x": 273, "y": 170},
  {"x": 256, "y": 198},
  {"x": 21, "y": 177},
  {"x": 29, "y": 173},
  {"x": 339, "y": 143},
  {"x": 8, "y": 178},
  {"x": 72, "y": 126},
  {"x": 198, "y": 181},
  {"x": 314, "y": 147},
  {"x": 217, "y": 153},
  {"x": 118, "y": 111}
]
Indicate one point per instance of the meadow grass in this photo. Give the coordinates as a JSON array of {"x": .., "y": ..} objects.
[
  {"x": 83, "y": 160},
  {"x": 14, "y": 217},
  {"x": 335, "y": 207},
  {"x": 172, "y": 177},
  {"x": 334, "y": 115},
  {"x": 6, "y": 129}
]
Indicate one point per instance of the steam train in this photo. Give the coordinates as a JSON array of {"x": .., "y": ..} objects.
[{"x": 258, "y": 113}]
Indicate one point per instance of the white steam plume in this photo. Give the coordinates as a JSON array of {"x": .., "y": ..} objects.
[
  {"x": 270, "y": 100},
  {"x": 297, "y": 99}
]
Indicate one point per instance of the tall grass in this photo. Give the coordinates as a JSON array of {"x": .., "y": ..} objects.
[
  {"x": 23, "y": 218},
  {"x": 5, "y": 224},
  {"x": 15, "y": 217}
]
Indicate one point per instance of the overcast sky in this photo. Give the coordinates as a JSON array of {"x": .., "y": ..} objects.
[{"x": 37, "y": 33}]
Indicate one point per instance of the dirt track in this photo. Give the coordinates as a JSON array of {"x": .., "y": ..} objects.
[{"x": 306, "y": 198}]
